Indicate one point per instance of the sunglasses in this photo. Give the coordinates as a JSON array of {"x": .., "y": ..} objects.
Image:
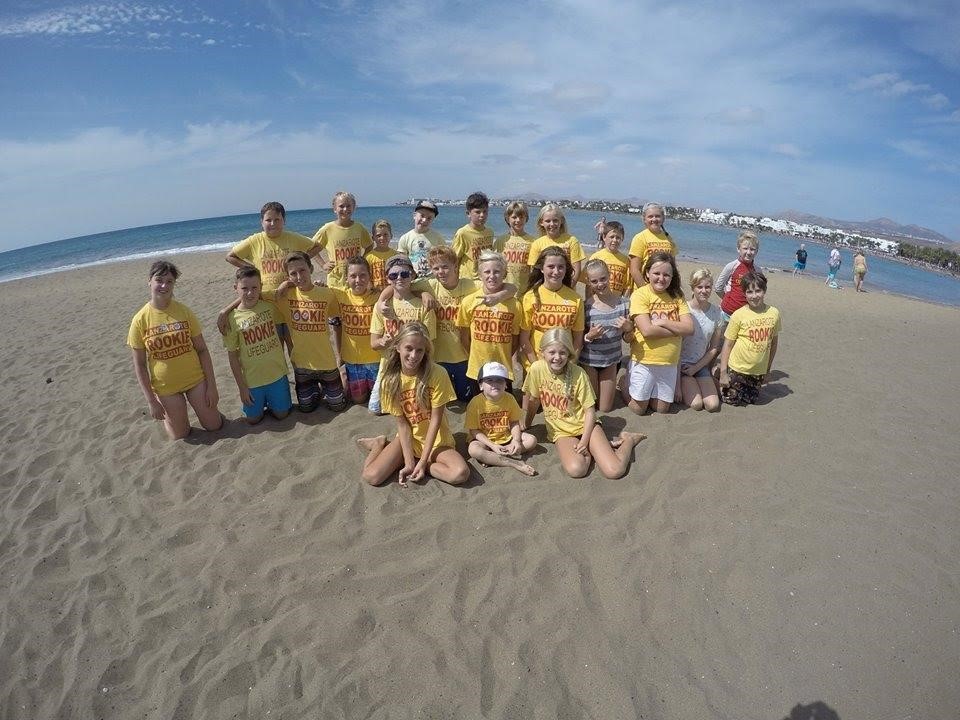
[{"x": 401, "y": 275}]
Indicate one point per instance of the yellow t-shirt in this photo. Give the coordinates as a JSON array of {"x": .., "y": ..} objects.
[
  {"x": 492, "y": 330},
  {"x": 645, "y": 244},
  {"x": 377, "y": 260},
  {"x": 491, "y": 418},
  {"x": 447, "y": 348},
  {"x": 656, "y": 351},
  {"x": 167, "y": 336},
  {"x": 341, "y": 244},
  {"x": 563, "y": 309},
  {"x": 516, "y": 250},
  {"x": 253, "y": 335},
  {"x": 563, "y": 407},
  {"x": 306, "y": 315},
  {"x": 439, "y": 393},
  {"x": 406, "y": 311},
  {"x": 754, "y": 332},
  {"x": 267, "y": 255},
  {"x": 356, "y": 313},
  {"x": 566, "y": 242},
  {"x": 468, "y": 243},
  {"x": 619, "y": 266}
]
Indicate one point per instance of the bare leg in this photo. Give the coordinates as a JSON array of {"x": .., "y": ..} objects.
[
  {"x": 709, "y": 394},
  {"x": 637, "y": 406},
  {"x": 661, "y": 406},
  {"x": 481, "y": 453},
  {"x": 448, "y": 465},
  {"x": 607, "y": 379},
  {"x": 210, "y": 417},
  {"x": 573, "y": 463},
  {"x": 613, "y": 458},
  {"x": 175, "y": 420},
  {"x": 690, "y": 390},
  {"x": 594, "y": 378},
  {"x": 382, "y": 459}
]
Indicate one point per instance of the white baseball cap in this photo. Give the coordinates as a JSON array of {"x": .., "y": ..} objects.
[{"x": 493, "y": 370}]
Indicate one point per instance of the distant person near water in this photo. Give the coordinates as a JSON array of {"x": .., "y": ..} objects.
[
  {"x": 833, "y": 267},
  {"x": 600, "y": 229},
  {"x": 801, "y": 264},
  {"x": 859, "y": 269}
]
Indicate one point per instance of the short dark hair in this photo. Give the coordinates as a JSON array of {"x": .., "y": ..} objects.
[
  {"x": 753, "y": 277},
  {"x": 298, "y": 255},
  {"x": 247, "y": 271},
  {"x": 359, "y": 260},
  {"x": 273, "y": 205},
  {"x": 162, "y": 267},
  {"x": 477, "y": 201}
]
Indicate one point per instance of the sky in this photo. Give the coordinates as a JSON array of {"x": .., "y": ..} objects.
[{"x": 120, "y": 114}]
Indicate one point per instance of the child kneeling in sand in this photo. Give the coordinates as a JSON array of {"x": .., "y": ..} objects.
[
  {"x": 414, "y": 389},
  {"x": 568, "y": 411},
  {"x": 750, "y": 343},
  {"x": 171, "y": 359},
  {"x": 256, "y": 351},
  {"x": 493, "y": 423}
]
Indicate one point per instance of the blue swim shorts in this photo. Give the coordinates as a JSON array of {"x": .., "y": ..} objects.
[{"x": 275, "y": 397}]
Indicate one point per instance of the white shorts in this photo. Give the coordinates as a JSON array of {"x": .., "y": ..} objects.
[{"x": 647, "y": 381}]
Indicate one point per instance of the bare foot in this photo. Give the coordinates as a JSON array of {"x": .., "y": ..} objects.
[
  {"x": 523, "y": 467},
  {"x": 631, "y": 437},
  {"x": 372, "y": 443}
]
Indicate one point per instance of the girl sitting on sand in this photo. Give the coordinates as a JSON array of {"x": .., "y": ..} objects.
[
  {"x": 414, "y": 389},
  {"x": 698, "y": 351},
  {"x": 562, "y": 387},
  {"x": 608, "y": 324},
  {"x": 662, "y": 319},
  {"x": 170, "y": 358}
]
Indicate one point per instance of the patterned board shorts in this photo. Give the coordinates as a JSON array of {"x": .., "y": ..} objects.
[
  {"x": 314, "y": 386},
  {"x": 743, "y": 389}
]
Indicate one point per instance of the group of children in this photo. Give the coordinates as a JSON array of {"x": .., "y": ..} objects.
[{"x": 409, "y": 331}]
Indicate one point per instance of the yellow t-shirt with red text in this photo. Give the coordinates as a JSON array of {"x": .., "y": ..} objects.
[
  {"x": 439, "y": 393},
  {"x": 356, "y": 314},
  {"x": 491, "y": 418},
  {"x": 468, "y": 243},
  {"x": 447, "y": 348},
  {"x": 377, "y": 259},
  {"x": 619, "y": 265},
  {"x": 341, "y": 244},
  {"x": 656, "y": 351},
  {"x": 564, "y": 399},
  {"x": 753, "y": 332},
  {"x": 306, "y": 315},
  {"x": 516, "y": 251},
  {"x": 267, "y": 255},
  {"x": 492, "y": 331},
  {"x": 563, "y": 309},
  {"x": 646, "y": 243},
  {"x": 566, "y": 242},
  {"x": 252, "y": 334},
  {"x": 167, "y": 337}
]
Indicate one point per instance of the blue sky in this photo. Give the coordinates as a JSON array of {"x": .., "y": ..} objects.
[{"x": 118, "y": 114}]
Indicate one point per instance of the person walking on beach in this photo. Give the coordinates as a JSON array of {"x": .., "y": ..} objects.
[
  {"x": 833, "y": 267},
  {"x": 600, "y": 229},
  {"x": 859, "y": 269},
  {"x": 801, "y": 264}
]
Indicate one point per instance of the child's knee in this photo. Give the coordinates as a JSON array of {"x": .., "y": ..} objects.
[
  {"x": 697, "y": 403},
  {"x": 711, "y": 404},
  {"x": 371, "y": 478}
]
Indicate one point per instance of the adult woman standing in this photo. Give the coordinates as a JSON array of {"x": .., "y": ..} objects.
[{"x": 859, "y": 269}]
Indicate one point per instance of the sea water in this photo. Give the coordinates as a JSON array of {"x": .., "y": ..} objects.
[{"x": 711, "y": 244}]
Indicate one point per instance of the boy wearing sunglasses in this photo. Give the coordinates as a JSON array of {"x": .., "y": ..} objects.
[{"x": 406, "y": 307}]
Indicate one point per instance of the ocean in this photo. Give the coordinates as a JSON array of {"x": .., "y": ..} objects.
[{"x": 714, "y": 244}]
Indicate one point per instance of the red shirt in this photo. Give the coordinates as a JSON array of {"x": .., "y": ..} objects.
[{"x": 735, "y": 298}]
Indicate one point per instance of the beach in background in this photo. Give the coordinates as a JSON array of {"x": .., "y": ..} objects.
[
  {"x": 697, "y": 241},
  {"x": 802, "y": 552}
]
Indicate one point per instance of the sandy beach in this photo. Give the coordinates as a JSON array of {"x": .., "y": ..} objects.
[{"x": 803, "y": 552}]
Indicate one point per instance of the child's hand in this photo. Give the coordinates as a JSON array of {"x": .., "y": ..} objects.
[
  {"x": 211, "y": 397},
  {"x": 245, "y": 397},
  {"x": 429, "y": 302},
  {"x": 685, "y": 368},
  {"x": 386, "y": 310},
  {"x": 581, "y": 448},
  {"x": 156, "y": 409},
  {"x": 283, "y": 287},
  {"x": 594, "y": 333},
  {"x": 409, "y": 474},
  {"x": 329, "y": 265},
  {"x": 724, "y": 379},
  {"x": 623, "y": 324},
  {"x": 223, "y": 321},
  {"x": 512, "y": 448}
]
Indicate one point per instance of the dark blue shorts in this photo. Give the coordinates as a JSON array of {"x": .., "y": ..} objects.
[
  {"x": 275, "y": 397},
  {"x": 464, "y": 387}
]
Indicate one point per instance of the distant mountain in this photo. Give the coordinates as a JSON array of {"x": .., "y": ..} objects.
[{"x": 881, "y": 227}]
